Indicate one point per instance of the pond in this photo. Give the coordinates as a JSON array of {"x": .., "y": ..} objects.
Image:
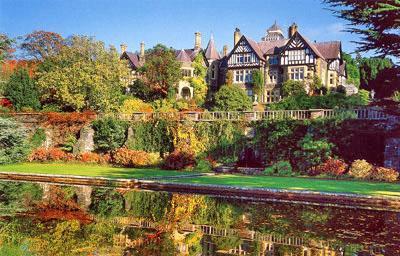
[{"x": 54, "y": 220}]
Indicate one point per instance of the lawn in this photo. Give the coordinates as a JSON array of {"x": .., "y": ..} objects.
[
  {"x": 88, "y": 170},
  {"x": 337, "y": 186}
]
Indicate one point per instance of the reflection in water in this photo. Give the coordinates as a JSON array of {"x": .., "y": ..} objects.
[{"x": 76, "y": 221}]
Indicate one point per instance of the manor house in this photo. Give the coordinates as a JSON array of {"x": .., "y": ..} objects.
[{"x": 277, "y": 56}]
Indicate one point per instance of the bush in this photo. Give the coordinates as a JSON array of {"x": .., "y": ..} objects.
[
  {"x": 135, "y": 105},
  {"x": 385, "y": 174},
  {"x": 91, "y": 157},
  {"x": 130, "y": 158},
  {"x": 45, "y": 155},
  {"x": 334, "y": 167},
  {"x": 69, "y": 143},
  {"x": 109, "y": 134},
  {"x": 178, "y": 160},
  {"x": 360, "y": 169},
  {"x": 14, "y": 145},
  {"x": 38, "y": 138},
  {"x": 232, "y": 98},
  {"x": 312, "y": 152},
  {"x": 292, "y": 88},
  {"x": 203, "y": 165},
  {"x": 22, "y": 91},
  {"x": 281, "y": 168}
]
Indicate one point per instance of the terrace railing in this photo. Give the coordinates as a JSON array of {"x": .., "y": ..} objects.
[{"x": 362, "y": 114}]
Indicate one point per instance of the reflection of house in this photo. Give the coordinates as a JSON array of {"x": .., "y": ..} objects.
[{"x": 280, "y": 59}]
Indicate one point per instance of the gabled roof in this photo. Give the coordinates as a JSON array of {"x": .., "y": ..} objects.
[
  {"x": 272, "y": 47},
  {"x": 183, "y": 56},
  {"x": 308, "y": 42},
  {"x": 192, "y": 53},
  {"x": 211, "y": 51},
  {"x": 330, "y": 50},
  {"x": 254, "y": 45},
  {"x": 342, "y": 69},
  {"x": 133, "y": 59}
]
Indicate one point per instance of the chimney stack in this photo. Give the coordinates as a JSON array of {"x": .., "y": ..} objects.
[
  {"x": 236, "y": 36},
  {"x": 142, "y": 49},
  {"x": 123, "y": 48},
  {"x": 197, "y": 40},
  {"x": 225, "y": 50},
  {"x": 292, "y": 29}
]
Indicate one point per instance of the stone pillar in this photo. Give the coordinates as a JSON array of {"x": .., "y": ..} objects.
[
  {"x": 85, "y": 142},
  {"x": 197, "y": 40},
  {"x": 392, "y": 153},
  {"x": 123, "y": 48},
  {"x": 48, "y": 142},
  {"x": 46, "y": 187},
  {"x": 225, "y": 51},
  {"x": 236, "y": 36},
  {"x": 84, "y": 196}
]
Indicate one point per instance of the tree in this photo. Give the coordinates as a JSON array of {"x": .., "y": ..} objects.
[
  {"x": 140, "y": 90},
  {"x": 376, "y": 21},
  {"x": 352, "y": 70},
  {"x": 258, "y": 82},
  {"x": 22, "y": 91},
  {"x": 5, "y": 47},
  {"x": 42, "y": 44},
  {"x": 13, "y": 141},
  {"x": 292, "y": 88},
  {"x": 161, "y": 72},
  {"x": 232, "y": 98},
  {"x": 315, "y": 85},
  {"x": 83, "y": 75},
  {"x": 369, "y": 69}
]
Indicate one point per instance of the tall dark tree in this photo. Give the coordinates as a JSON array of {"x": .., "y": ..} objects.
[
  {"x": 370, "y": 68},
  {"x": 41, "y": 44},
  {"x": 22, "y": 91},
  {"x": 376, "y": 21}
]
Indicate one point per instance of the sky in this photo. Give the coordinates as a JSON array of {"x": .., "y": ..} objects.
[{"x": 171, "y": 22}]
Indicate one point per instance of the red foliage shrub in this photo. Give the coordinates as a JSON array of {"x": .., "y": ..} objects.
[
  {"x": 70, "y": 119},
  {"x": 179, "y": 160},
  {"x": 51, "y": 154},
  {"x": 89, "y": 157},
  {"x": 130, "y": 158},
  {"x": 4, "y": 102},
  {"x": 334, "y": 167}
]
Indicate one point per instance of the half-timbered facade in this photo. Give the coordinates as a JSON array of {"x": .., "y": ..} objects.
[{"x": 281, "y": 59}]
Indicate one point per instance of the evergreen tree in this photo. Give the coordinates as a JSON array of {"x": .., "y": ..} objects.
[
  {"x": 376, "y": 21},
  {"x": 22, "y": 91},
  {"x": 232, "y": 98}
]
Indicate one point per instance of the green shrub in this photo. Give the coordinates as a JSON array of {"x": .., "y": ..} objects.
[
  {"x": 312, "y": 152},
  {"x": 291, "y": 88},
  {"x": 281, "y": 168},
  {"x": 69, "y": 143},
  {"x": 203, "y": 165},
  {"x": 38, "y": 138},
  {"x": 22, "y": 91},
  {"x": 14, "y": 145},
  {"x": 232, "y": 98},
  {"x": 360, "y": 169},
  {"x": 109, "y": 134}
]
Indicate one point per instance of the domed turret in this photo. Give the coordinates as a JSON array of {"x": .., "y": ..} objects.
[{"x": 273, "y": 33}]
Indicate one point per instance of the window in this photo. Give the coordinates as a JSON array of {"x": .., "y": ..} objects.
[
  {"x": 297, "y": 73},
  {"x": 273, "y": 77},
  {"x": 213, "y": 72},
  {"x": 243, "y": 58},
  {"x": 273, "y": 60},
  {"x": 296, "y": 55},
  {"x": 238, "y": 76},
  {"x": 187, "y": 72},
  {"x": 249, "y": 92},
  {"x": 248, "y": 76}
]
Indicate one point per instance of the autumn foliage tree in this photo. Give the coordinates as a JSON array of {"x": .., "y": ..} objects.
[
  {"x": 83, "y": 75},
  {"x": 41, "y": 44},
  {"x": 5, "y": 47},
  {"x": 161, "y": 72}
]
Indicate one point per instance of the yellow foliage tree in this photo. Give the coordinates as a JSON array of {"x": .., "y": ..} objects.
[{"x": 132, "y": 105}]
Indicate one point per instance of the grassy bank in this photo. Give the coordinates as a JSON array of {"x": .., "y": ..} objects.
[
  {"x": 292, "y": 183},
  {"x": 88, "y": 170}
]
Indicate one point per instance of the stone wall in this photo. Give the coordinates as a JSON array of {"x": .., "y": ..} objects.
[{"x": 392, "y": 153}]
